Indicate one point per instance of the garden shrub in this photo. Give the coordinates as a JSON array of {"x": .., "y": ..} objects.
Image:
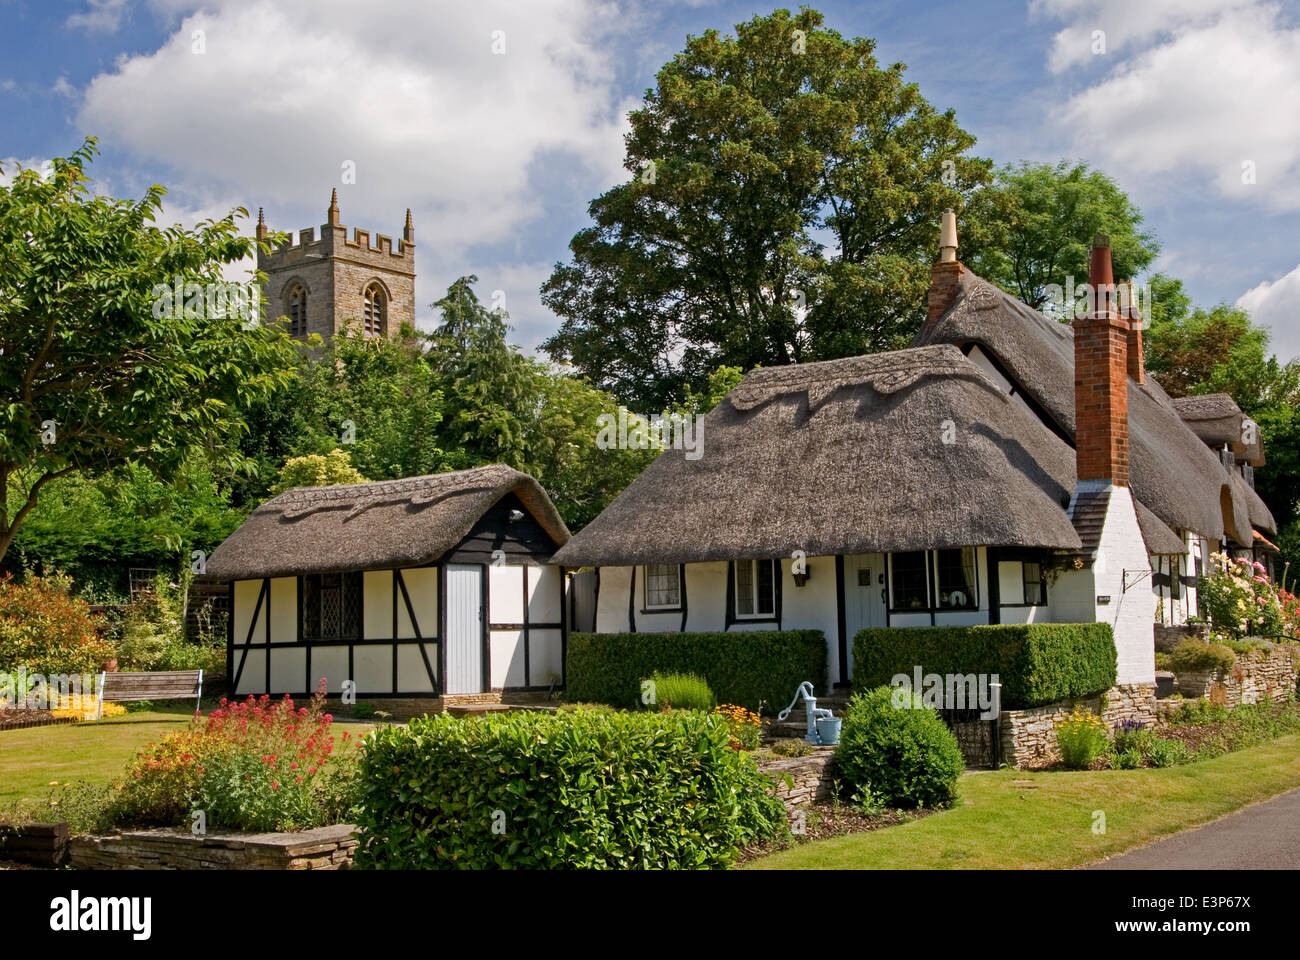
[
  {"x": 758, "y": 670},
  {"x": 1081, "y": 737},
  {"x": 1129, "y": 759},
  {"x": 47, "y": 630},
  {"x": 1240, "y": 598},
  {"x": 1162, "y": 752},
  {"x": 1037, "y": 663},
  {"x": 1199, "y": 656},
  {"x": 576, "y": 788},
  {"x": 255, "y": 765},
  {"x": 906, "y": 756},
  {"x": 676, "y": 691}
]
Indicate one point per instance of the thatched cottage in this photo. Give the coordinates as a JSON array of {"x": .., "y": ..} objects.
[
  {"x": 422, "y": 587},
  {"x": 1007, "y": 468}
]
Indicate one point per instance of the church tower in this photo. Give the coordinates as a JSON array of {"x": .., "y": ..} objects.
[{"x": 324, "y": 285}]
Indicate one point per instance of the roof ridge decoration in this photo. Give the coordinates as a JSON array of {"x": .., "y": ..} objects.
[
  {"x": 886, "y": 373},
  {"x": 300, "y": 502}
]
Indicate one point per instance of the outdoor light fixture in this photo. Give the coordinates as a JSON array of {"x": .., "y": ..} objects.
[{"x": 801, "y": 578}]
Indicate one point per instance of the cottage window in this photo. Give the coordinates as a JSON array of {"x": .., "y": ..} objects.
[
  {"x": 909, "y": 580},
  {"x": 755, "y": 588},
  {"x": 955, "y": 569},
  {"x": 663, "y": 586},
  {"x": 1176, "y": 578},
  {"x": 375, "y": 319},
  {"x": 1035, "y": 583},
  {"x": 331, "y": 606},
  {"x": 297, "y": 311}
]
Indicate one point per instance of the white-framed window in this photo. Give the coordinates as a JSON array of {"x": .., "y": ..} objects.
[
  {"x": 1035, "y": 583},
  {"x": 663, "y": 586},
  {"x": 956, "y": 581},
  {"x": 755, "y": 588}
]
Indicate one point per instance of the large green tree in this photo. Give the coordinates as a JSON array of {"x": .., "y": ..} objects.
[
  {"x": 784, "y": 199},
  {"x": 1033, "y": 228},
  {"x": 1221, "y": 350},
  {"x": 97, "y": 371}
]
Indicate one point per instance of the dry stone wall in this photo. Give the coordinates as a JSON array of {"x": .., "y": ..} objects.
[{"x": 324, "y": 848}]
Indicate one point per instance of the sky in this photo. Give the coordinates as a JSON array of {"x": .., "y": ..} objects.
[{"x": 498, "y": 121}]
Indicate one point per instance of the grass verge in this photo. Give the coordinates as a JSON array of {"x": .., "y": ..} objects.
[{"x": 1016, "y": 820}]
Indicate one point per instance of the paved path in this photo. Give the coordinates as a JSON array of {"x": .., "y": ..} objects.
[{"x": 1265, "y": 836}]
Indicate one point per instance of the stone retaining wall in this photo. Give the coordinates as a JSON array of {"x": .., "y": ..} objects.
[
  {"x": 811, "y": 777},
  {"x": 1266, "y": 673},
  {"x": 1168, "y": 636},
  {"x": 324, "y": 848},
  {"x": 1028, "y": 737}
]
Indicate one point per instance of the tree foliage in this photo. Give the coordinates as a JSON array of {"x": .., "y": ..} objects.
[
  {"x": 1034, "y": 228},
  {"x": 783, "y": 204},
  {"x": 92, "y": 378}
]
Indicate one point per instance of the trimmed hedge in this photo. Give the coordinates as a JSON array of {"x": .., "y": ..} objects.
[
  {"x": 757, "y": 669},
  {"x": 1037, "y": 663},
  {"x": 580, "y": 788}
]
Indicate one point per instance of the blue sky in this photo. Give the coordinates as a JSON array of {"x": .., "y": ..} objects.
[{"x": 260, "y": 103}]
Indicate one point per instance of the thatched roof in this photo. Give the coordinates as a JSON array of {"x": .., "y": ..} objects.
[
  {"x": 1217, "y": 420},
  {"x": 369, "y": 526},
  {"x": 1172, "y": 471},
  {"x": 847, "y": 456}
]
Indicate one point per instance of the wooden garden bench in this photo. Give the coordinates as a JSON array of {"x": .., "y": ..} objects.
[{"x": 156, "y": 685}]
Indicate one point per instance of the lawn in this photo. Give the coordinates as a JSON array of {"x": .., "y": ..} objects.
[
  {"x": 1009, "y": 819},
  {"x": 33, "y": 757}
]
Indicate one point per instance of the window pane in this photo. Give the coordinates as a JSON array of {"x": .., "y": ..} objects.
[
  {"x": 744, "y": 587},
  {"x": 766, "y": 586},
  {"x": 957, "y": 579},
  {"x": 909, "y": 581},
  {"x": 1033, "y": 583},
  {"x": 352, "y": 605},
  {"x": 331, "y": 606},
  {"x": 311, "y": 608},
  {"x": 662, "y": 585}
]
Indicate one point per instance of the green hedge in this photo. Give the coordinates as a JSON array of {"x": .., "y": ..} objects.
[
  {"x": 758, "y": 669},
  {"x": 581, "y": 788},
  {"x": 1037, "y": 663}
]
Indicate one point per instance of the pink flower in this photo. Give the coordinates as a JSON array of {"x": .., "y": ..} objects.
[{"x": 1258, "y": 566}]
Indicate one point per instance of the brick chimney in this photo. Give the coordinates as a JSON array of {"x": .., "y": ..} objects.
[
  {"x": 944, "y": 275},
  {"x": 1133, "y": 313},
  {"x": 1101, "y": 438}
]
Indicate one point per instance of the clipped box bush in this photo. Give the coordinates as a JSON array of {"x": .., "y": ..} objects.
[
  {"x": 1037, "y": 663},
  {"x": 904, "y": 756},
  {"x": 755, "y": 669},
  {"x": 1197, "y": 656},
  {"x": 579, "y": 788}
]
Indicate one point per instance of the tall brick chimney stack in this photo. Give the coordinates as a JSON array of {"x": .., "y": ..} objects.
[
  {"x": 1101, "y": 374},
  {"x": 1129, "y": 307},
  {"x": 945, "y": 274}
]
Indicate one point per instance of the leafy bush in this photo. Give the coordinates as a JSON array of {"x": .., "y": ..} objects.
[
  {"x": 906, "y": 756},
  {"x": 1200, "y": 713},
  {"x": 792, "y": 747},
  {"x": 577, "y": 788},
  {"x": 756, "y": 670},
  {"x": 676, "y": 691},
  {"x": 46, "y": 629},
  {"x": 745, "y": 725},
  {"x": 1037, "y": 663},
  {"x": 1196, "y": 655},
  {"x": 1129, "y": 759},
  {"x": 256, "y": 765},
  {"x": 1240, "y": 598},
  {"x": 1081, "y": 737},
  {"x": 1162, "y": 752}
]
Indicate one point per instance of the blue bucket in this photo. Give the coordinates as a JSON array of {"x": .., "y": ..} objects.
[{"x": 828, "y": 728}]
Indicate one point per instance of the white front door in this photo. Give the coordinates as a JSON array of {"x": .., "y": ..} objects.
[
  {"x": 464, "y": 628},
  {"x": 864, "y": 592}
]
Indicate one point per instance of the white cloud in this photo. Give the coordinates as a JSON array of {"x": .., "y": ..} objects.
[
  {"x": 9, "y": 167},
  {"x": 103, "y": 16},
  {"x": 284, "y": 94},
  {"x": 1207, "y": 86},
  {"x": 1276, "y": 305},
  {"x": 63, "y": 88}
]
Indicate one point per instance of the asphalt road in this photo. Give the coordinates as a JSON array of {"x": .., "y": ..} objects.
[{"x": 1265, "y": 836}]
